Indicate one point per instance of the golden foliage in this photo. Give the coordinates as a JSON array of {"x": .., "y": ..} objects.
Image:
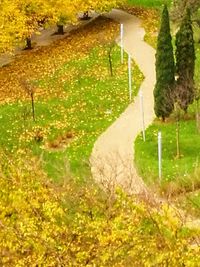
[
  {"x": 36, "y": 64},
  {"x": 42, "y": 224},
  {"x": 19, "y": 19}
]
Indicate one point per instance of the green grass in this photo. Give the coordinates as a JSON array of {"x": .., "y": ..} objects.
[
  {"x": 149, "y": 3},
  {"x": 194, "y": 201},
  {"x": 190, "y": 202},
  {"x": 181, "y": 177},
  {"x": 173, "y": 169},
  {"x": 89, "y": 101}
]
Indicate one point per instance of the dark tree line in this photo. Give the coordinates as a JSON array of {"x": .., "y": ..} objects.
[
  {"x": 164, "y": 70},
  {"x": 185, "y": 63},
  {"x": 169, "y": 90},
  {"x": 180, "y": 7}
]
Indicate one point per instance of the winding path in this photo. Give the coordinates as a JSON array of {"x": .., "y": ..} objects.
[{"x": 112, "y": 159}]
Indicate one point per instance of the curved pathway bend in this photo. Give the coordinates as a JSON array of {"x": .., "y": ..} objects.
[{"x": 112, "y": 158}]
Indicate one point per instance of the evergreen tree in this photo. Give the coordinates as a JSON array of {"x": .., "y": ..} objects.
[
  {"x": 163, "y": 91},
  {"x": 185, "y": 63}
]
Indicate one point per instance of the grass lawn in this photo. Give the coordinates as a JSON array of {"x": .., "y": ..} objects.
[
  {"x": 88, "y": 99},
  {"x": 173, "y": 169},
  {"x": 181, "y": 177},
  {"x": 148, "y": 3},
  {"x": 190, "y": 202}
]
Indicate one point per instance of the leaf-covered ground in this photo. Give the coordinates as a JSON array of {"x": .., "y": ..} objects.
[
  {"x": 76, "y": 98},
  {"x": 45, "y": 60}
]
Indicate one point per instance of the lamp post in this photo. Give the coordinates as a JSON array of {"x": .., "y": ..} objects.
[{"x": 129, "y": 77}]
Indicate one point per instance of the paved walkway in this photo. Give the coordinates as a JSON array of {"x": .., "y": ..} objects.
[{"x": 112, "y": 159}]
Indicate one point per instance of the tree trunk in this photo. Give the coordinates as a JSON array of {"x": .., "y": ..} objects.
[
  {"x": 33, "y": 106},
  {"x": 28, "y": 43},
  {"x": 60, "y": 29},
  {"x": 85, "y": 16}
]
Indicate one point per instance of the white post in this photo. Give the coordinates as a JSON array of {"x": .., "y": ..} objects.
[
  {"x": 142, "y": 115},
  {"x": 129, "y": 77},
  {"x": 122, "y": 42},
  {"x": 160, "y": 155}
]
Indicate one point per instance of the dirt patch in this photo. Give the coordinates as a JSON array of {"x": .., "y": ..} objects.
[{"x": 60, "y": 143}]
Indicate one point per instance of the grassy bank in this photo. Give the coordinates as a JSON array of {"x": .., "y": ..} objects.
[
  {"x": 74, "y": 104},
  {"x": 148, "y": 3},
  {"x": 176, "y": 170},
  {"x": 180, "y": 176}
]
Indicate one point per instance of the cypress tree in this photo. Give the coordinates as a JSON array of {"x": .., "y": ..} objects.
[
  {"x": 165, "y": 69},
  {"x": 185, "y": 63}
]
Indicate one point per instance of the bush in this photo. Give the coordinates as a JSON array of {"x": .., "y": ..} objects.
[{"x": 42, "y": 224}]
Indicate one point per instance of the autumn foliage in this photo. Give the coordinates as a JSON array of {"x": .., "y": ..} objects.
[
  {"x": 43, "y": 224},
  {"x": 47, "y": 224},
  {"x": 19, "y": 20},
  {"x": 36, "y": 64}
]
